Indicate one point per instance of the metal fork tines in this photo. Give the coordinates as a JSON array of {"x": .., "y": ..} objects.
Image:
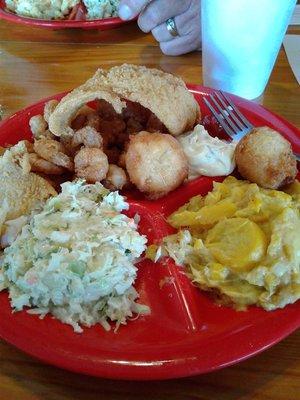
[{"x": 234, "y": 123}]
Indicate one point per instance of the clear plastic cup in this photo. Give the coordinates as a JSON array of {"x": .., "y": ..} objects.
[{"x": 240, "y": 42}]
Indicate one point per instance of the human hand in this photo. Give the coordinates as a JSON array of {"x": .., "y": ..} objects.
[{"x": 153, "y": 16}]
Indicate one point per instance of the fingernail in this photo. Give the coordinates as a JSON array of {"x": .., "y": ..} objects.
[{"x": 125, "y": 12}]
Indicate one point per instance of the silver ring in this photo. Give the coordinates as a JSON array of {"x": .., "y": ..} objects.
[{"x": 171, "y": 26}]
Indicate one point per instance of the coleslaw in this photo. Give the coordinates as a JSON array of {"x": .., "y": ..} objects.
[{"x": 75, "y": 259}]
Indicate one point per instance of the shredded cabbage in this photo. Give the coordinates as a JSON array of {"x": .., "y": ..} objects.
[{"x": 75, "y": 259}]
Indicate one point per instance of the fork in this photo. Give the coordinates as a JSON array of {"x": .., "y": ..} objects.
[{"x": 234, "y": 123}]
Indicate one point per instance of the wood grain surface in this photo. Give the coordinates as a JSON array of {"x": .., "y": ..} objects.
[{"x": 36, "y": 63}]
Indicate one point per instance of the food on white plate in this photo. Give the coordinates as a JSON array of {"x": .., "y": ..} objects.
[
  {"x": 64, "y": 9},
  {"x": 21, "y": 193},
  {"x": 265, "y": 157},
  {"x": 207, "y": 155},
  {"x": 76, "y": 259},
  {"x": 164, "y": 95},
  {"x": 155, "y": 163},
  {"x": 241, "y": 243}
]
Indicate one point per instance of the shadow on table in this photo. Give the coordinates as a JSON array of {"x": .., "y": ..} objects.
[{"x": 262, "y": 375}]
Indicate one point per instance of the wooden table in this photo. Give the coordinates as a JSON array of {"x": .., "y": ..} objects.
[{"x": 37, "y": 63}]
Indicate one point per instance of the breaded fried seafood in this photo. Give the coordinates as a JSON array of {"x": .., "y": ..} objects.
[
  {"x": 61, "y": 119},
  {"x": 169, "y": 103},
  {"x": 88, "y": 132},
  {"x": 49, "y": 108},
  {"x": 265, "y": 157},
  {"x": 38, "y": 126},
  {"x": 165, "y": 95},
  {"x": 53, "y": 151},
  {"x": 21, "y": 191},
  {"x": 116, "y": 178},
  {"x": 40, "y": 165},
  {"x": 156, "y": 163},
  {"x": 91, "y": 164}
]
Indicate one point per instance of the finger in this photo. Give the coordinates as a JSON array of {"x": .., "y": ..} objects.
[
  {"x": 181, "y": 45},
  {"x": 129, "y": 9},
  {"x": 158, "y": 11},
  {"x": 185, "y": 24}
]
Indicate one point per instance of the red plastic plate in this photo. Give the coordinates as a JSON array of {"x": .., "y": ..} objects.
[
  {"x": 100, "y": 24},
  {"x": 186, "y": 333}
]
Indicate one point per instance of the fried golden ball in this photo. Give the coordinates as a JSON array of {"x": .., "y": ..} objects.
[
  {"x": 265, "y": 157},
  {"x": 155, "y": 163}
]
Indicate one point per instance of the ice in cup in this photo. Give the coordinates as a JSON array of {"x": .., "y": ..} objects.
[{"x": 240, "y": 42}]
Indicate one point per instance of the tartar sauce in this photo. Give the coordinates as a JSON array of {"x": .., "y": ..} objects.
[{"x": 207, "y": 155}]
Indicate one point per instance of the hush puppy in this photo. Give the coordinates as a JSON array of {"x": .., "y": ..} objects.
[
  {"x": 155, "y": 163},
  {"x": 265, "y": 157}
]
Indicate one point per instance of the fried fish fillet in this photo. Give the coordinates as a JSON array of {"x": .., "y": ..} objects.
[
  {"x": 61, "y": 118},
  {"x": 165, "y": 95},
  {"x": 20, "y": 191}
]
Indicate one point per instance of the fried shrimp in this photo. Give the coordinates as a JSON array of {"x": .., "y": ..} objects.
[
  {"x": 265, "y": 157},
  {"x": 49, "y": 108},
  {"x": 53, "y": 151},
  {"x": 91, "y": 164},
  {"x": 38, "y": 164},
  {"x": 87, "y": 136},
  {"x": 156, "y": 163},
  {"x": 116, "y": 178},
  {"x": 38, "y": 126}
]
